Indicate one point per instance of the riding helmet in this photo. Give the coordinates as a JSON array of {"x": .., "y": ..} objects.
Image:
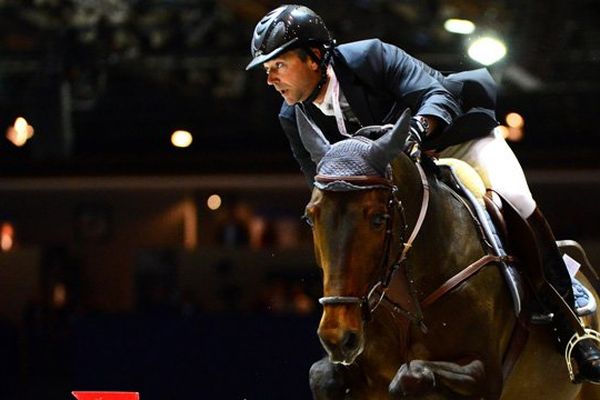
[{"x": 285, "y": 28}]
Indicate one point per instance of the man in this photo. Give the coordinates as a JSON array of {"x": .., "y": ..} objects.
[{"x": 342, "y": 88}]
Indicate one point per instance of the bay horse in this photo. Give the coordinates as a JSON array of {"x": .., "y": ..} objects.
[{"x": 399, "y": 321}]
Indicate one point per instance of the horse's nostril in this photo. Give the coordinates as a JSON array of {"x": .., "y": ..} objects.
[{"x": 350, "y": 341}]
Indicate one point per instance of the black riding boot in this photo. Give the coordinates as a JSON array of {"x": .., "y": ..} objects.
[{"x": 586, "y": 352}]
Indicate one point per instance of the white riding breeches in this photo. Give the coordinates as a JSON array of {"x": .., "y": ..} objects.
[{"x": 499, "y": 168}]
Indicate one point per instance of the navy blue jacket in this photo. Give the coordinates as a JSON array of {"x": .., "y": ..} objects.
[{"x": 380, "y": 80}]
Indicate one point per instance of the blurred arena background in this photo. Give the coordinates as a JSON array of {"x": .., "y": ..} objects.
[{"x": 130, "y": 263}]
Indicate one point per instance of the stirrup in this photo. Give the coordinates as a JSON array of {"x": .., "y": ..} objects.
[{"x": 575, "y": 339}]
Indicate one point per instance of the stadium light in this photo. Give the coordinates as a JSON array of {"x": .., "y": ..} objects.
[
  {"x": 460, "y": 26},
  {"x": 487, "y": 50}
]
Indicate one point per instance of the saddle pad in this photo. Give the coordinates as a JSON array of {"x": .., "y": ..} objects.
[{"x": 467, "y": 176}]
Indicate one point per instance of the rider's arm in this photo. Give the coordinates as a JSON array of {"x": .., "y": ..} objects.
[
  {"x": 287, "y": 119},
  {"x": 416, "y": 84}
]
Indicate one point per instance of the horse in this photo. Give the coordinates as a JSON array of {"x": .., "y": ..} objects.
[{"x": 401, "y": 317}]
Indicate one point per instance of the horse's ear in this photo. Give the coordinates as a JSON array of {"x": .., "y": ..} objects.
[
  {"x": 388, "y": 146},
  {"x": 313, "y": 139}
]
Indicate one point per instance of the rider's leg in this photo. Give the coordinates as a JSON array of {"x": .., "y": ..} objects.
[
  {"x": 499, "y": 168},
  {"x": 494, "y": 160},
  {"x": 586, "y": 353}
]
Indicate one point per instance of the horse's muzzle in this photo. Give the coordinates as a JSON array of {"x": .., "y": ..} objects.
[{"x": 343, "y": 346}]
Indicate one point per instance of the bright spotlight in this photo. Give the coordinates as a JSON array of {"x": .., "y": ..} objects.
[
  {"x": 487, "y": 50},
  {"x": 213, "y": 202},
  {"x": 7, "y": 233},
  {"x": 514, "y": 120},
  {"x": 20, "y": 132},
  {"x": 181, "y": 138},
  {"x": 460, "y": 26}
]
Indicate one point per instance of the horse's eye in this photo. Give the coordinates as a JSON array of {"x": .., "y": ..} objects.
[
  {"x": 307, "y": 219},
  {"x": 379, "y": 220}
]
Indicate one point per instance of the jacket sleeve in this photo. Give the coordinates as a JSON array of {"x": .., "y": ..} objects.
[
  {"x": 287, "y": 119},
  {"x": 414, "y": 82}
]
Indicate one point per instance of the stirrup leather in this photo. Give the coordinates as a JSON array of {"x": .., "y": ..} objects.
[{"x": 575, "y": 339}]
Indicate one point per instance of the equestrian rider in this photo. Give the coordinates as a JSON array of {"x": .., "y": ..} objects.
[{"x": 342, "y": 88}]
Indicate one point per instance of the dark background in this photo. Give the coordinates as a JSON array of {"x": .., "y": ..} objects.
[
  {"x": 105, "y": 82},
  {"x": 164, "y": 296}
]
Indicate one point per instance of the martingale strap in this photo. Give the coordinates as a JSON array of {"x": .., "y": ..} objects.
[{"x": 462, "y": 276}]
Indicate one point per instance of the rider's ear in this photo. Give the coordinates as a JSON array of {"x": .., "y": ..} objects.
[{"x": 317, "y": 51}]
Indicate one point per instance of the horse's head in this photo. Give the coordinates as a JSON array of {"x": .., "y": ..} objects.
[{"x": 351, "y": 211}]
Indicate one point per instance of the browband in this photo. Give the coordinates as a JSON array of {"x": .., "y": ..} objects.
[{"x": 359, "y": 180}]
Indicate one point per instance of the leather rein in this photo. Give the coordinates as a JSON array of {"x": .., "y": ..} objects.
[{"x": 377, "y": 292}]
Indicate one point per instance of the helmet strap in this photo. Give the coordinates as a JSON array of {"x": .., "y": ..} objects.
[{"x": 323, "y": 64}]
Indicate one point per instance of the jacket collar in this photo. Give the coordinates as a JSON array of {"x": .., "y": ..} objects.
[{"x": 354, "y": 92}]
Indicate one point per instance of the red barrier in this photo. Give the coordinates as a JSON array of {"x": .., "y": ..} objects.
[{"x": 106, "y": 395}]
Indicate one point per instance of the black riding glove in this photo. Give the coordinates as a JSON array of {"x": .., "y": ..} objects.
[{"x": 417, "y": 133}]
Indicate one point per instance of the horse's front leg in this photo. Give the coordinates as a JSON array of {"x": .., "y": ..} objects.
[
  {"x": 440, "y": 379},
  {"x": 330, "y": 381}
]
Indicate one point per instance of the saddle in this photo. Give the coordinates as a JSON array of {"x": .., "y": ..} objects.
[{"x": 505, "y": 232}]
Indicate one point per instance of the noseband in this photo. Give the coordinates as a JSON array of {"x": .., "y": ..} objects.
[{"x": 377, "y": 291}]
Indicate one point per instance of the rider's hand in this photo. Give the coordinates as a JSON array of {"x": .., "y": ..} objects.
[
  {"x": 417, "y": 132},
  {"x": 419, "y": 128}
]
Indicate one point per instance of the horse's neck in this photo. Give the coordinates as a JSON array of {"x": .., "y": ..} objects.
[
  {"x": 407, "y": 179},
  {"x": 446, "y": 224}
]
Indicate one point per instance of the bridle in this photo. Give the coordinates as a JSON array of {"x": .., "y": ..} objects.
[{"x": 377, "y": 292}]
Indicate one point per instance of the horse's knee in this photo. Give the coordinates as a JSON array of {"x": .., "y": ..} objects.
[
  {"x": 421, "y": 378},
  {"x": 414, "y": 378},
  {"x": 327, "y": 381}
]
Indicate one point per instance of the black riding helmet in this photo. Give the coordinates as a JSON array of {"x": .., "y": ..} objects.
[{"x": 286, "y": 28}]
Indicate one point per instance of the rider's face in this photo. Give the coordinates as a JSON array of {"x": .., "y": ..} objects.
[{"x": 292, "y": 77}]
